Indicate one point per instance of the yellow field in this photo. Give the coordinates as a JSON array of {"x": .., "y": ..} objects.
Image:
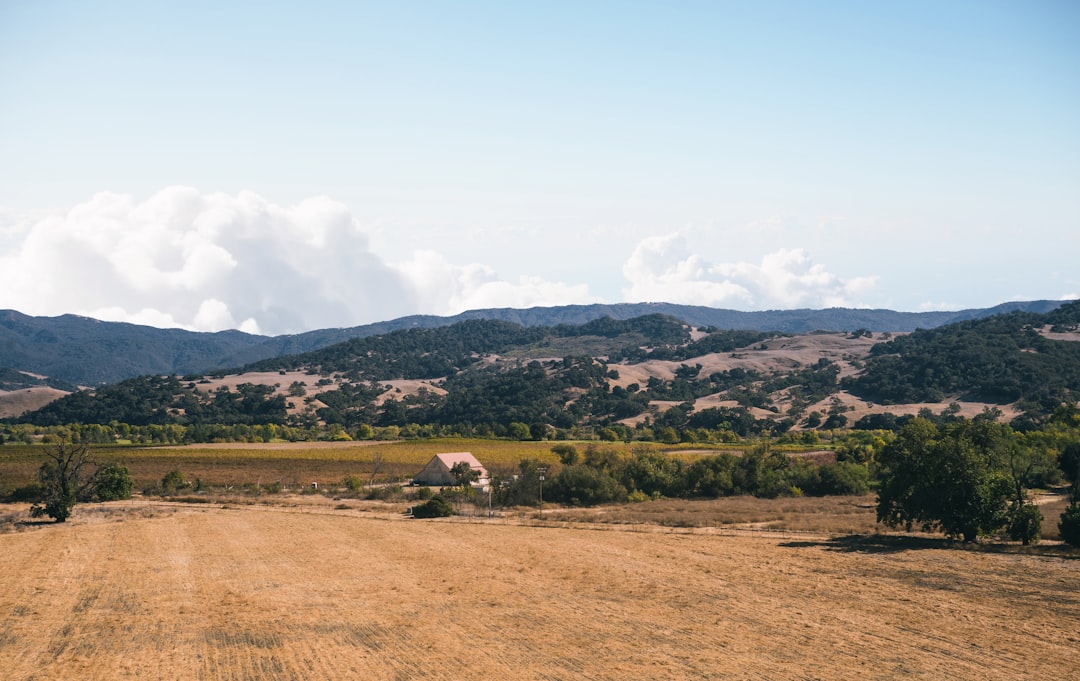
[
  {"x": 293, "y": 464},
  {"x": 299, "y": 463},
  {"x": 135, "y": 590}
]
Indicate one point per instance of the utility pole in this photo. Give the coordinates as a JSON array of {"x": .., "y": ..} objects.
[{"x": 542, "y": 470}]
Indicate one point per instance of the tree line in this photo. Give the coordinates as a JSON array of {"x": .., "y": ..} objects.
[{"x": 965, "y": 478}]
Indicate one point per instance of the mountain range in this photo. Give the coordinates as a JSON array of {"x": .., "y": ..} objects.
[
  {"x": 619, "y": 378},
  {"x": 75, "y": 350}
]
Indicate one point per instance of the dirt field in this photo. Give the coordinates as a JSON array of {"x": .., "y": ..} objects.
[{"x": 165, "y": 592}]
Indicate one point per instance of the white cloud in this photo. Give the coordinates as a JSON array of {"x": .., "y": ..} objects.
[
  {"x": 145, "y": 317},
  {"x": 213, "y": 315},
  {"x": 206, "y": 261},
  {"x": 453, "y": 289},
  {"x": 1070, "y": 296},
  {"x": 662, "y": 268},
  {"x": 930, "y": 306}
]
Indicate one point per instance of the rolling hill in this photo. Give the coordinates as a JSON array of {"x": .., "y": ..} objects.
[
  {"x": 483, "y": 377},
  {"x": 84, "y": 351}
]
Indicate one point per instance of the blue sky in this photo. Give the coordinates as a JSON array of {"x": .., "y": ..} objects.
[{"x": 285, "y": 166}]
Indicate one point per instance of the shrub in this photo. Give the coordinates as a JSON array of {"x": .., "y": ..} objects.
[
  {"x": 384, "y": 493},
  {"x": 173, "y": 482},
  {"x": 1069, "y": 526},
  {"x": 422, "y": 494},
  {"x": 844, "y": 477},
  {"x": 585, "y": 485},
  {"x": 436, "y": 507},
  {"x": 27, "y": 493},
  {"x": 654, "y": 473},
  {"x": 567, "y": 453},
  {"x": 273, "y": 488},
  {"x": 364, "y": 432},
  {"x": 113, "y": 483}
]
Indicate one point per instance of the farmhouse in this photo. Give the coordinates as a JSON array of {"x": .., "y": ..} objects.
[{"x": 437, "y": 471}]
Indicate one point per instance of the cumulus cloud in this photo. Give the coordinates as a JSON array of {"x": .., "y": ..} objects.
[
  {"x": 663, "y": 268},
  {"x": 217, "y": 261},
  {"x": 931, "y": 306},
  {"x": 441, "y": 285}
]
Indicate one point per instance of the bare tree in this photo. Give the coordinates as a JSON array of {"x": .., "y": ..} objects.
[
  {"x": 376, "y": 466},
  {"x": 65, "y": 477}
]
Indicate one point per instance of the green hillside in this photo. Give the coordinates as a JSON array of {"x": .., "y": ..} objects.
[
  {"x": 485, "y": 377},
  {"x": 1002, "y": 359}
]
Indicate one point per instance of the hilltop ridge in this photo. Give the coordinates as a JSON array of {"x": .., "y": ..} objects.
[{"x": 86, "y": 351}]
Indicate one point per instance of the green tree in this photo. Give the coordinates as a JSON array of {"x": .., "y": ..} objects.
[
  {"x": 519, "y": 431},
  {"x": 113, "y": 483},
  {"x": 844, "y": 477},
  {"x": 539, "y": 431},
  {"x": 585, "y": 485},
  {"x": 464, "y": 474},
  {"x": 952, "y": 479},
  {"x": 654, "y": 474},
  {"x": 1025, "y": 522},
  {"x": 1069, "y": 462},
  {"x": 712, "y": 476},
  {"x": 667, "y": 435},
  {"x": 1069, "y": 525},
  {"x": 522, "y": 489},
  {"x": 364, "y": 432},
  {"x": 65, "y": 477},
  {"x": 1024, "y": 463}
]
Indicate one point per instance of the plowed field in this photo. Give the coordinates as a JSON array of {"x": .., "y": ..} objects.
[{"x": 260, "y": 593}]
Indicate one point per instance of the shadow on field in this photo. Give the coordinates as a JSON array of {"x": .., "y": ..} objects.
[{"x": 880, "y": 543}]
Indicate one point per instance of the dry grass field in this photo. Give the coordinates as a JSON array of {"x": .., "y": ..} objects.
[
  {"x": 141, "y": 590},
  {"x": 16, "y": 402}
]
